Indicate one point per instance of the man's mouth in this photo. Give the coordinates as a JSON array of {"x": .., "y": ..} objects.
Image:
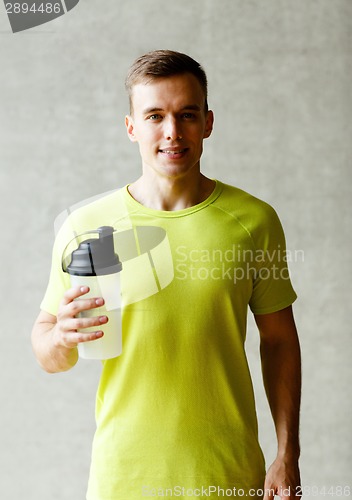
[{"x": 173, "y": 152}]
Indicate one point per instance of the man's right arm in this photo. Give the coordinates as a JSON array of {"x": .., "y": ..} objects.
[{"x": 55, "y": 338}]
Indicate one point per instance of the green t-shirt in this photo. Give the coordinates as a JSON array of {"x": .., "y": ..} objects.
[{"x": 175, "y": 412}]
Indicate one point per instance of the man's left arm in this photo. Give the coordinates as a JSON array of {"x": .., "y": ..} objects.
[{"x": 281, "y": 368}]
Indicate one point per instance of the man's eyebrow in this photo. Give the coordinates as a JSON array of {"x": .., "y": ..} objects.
[
  {"x": 189, "y": 107},
  {"x": 151, "y": 110}
]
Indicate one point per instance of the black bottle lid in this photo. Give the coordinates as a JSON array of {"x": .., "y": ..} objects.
[{"x": 96, "y": 256}]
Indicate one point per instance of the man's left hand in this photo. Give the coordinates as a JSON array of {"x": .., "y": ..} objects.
[{"x": 283, "y": 479}]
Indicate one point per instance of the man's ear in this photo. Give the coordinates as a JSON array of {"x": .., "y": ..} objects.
[
  {"x": 130, "y": 128},
  {"x": 209, "y": 122}
]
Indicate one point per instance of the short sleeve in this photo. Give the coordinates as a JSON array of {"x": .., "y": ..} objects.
[{"x": 272, "y": 287}]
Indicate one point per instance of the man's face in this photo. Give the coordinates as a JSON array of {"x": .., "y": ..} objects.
[{"x": 169, "y": 122}]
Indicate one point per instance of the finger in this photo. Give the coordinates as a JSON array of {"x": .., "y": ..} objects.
[
  {"x": 79, "y": 305},
  {"x": 74, "y": 293},
  {"x": 86, "y": 322},
  {"x": 289, "y": 493},
  {"x": 70, "y": 324},
  {"x": 72, "y": 339},
  {"x": 286, "y": 493}
]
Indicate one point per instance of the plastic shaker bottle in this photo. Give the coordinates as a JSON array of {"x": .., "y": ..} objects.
[{"x": 96, "y": 265}]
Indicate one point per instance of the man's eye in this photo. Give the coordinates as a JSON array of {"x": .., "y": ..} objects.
[
  {"x": 188, "y": 116},
  {"x": 154, "y": 117}
]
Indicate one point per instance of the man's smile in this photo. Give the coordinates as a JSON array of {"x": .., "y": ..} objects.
[{"x": 173, "y": 152}]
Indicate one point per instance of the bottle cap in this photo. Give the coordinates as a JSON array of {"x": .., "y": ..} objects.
[{"x": 95, "y": 256}]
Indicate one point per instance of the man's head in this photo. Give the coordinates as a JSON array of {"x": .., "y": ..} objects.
[
  {"x": 162, "y": 64},
  {"x": 169, "y": 116}
]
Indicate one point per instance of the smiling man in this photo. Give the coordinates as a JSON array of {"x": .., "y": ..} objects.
[{"x": 175, "y": 412}]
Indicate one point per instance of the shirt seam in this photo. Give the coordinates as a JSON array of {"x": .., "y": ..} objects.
[{"x": 173, "y": 214}]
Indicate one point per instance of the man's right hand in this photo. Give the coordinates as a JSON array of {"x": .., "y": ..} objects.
[
  {"x": 55, "y": 338},
  {"x": 68, "y": 322}
]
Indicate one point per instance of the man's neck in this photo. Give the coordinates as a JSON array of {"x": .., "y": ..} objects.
[{"x": 163, "y": 193}]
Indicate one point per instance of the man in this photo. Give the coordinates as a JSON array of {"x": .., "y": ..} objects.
[{"x": 175, "y": 412}]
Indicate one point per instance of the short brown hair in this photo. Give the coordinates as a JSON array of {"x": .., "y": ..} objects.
[{"x": 162, "y": 64}]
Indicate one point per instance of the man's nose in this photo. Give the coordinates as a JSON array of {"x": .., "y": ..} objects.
[{"x": 172, "y": 129}]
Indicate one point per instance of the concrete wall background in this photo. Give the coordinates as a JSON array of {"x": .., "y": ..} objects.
[{"x": 280, "y": 86}]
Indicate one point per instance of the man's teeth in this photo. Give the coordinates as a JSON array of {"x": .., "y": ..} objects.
[{"x": 167, "y": 151}]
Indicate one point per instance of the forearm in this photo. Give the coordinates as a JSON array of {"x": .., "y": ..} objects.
[
  {"x": 281, "y": 367},
  {"x": 51, "y": 357}
]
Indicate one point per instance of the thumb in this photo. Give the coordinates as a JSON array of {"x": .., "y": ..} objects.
[{"x": 269, "y": 493}]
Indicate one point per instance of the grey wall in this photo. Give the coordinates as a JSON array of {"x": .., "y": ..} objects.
[{"x": 280, "y": 86}]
